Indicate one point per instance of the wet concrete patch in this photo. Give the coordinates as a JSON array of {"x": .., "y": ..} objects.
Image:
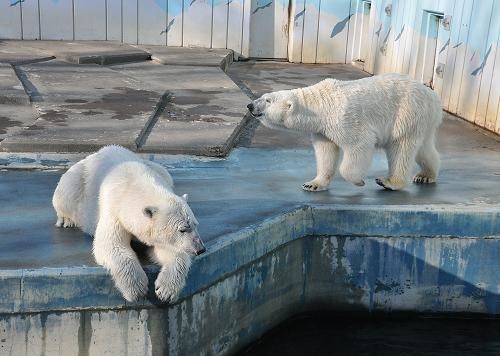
[
  {"x": 6, "y": 123},
  {"x": 57, "y": 117},
  {"x": 125, "y": 104}
]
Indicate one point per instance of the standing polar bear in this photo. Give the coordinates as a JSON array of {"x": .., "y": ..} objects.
[
  {"x": 348, "y": 120},
  {"x": 117, "y": 196}
]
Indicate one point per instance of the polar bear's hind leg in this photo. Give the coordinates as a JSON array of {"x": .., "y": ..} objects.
[
  {"x": 428, "y": 160},
  {"x": 400, "y": 156}
]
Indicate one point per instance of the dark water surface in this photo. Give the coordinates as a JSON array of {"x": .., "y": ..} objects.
[{"x": 315, "y": 335}]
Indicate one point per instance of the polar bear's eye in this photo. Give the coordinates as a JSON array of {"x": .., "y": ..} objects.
[
  {"x": 185, "y": 228},
  {"x": 268, "y": 100}
]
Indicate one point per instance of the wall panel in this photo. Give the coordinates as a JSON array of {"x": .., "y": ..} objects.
[
  {"x": 477, "y": 52},
  {"x": 30, "y": 20},
  {"x": 220, "y": 24},
  {"x": 310, "y": 31},
  {"x": 235, "y": 25},
  {"x": 152, "y": 22},
  {"x": 296, "y": 30},
  {"x": 114, "y": 20},
  {"x": 129, "y": 21},
  {"x": 487, "y": 67},
  {"x": 334, "y": 18},
  {"x": 197, "y": 23},
  {"x": 90, "y": 19},
  {"x": 175, "y": 22},
  {"x": 56, "y": 20},
  {"x": 10, "y": 19}
]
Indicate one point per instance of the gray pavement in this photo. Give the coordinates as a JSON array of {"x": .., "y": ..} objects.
[{"x": 182, "y": 102}]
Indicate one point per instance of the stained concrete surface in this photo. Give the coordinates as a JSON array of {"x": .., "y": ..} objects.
[
  {"x": 248, "y": 186},
  {"x": 82, "y": 108},
  {"x": 201, "y": 112},
  {"x": 151, "y": 106}
]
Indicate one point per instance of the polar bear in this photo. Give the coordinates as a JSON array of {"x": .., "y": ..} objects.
[
  {"x": 348, "y": 120},
  {"x": 116, "y": 196}
]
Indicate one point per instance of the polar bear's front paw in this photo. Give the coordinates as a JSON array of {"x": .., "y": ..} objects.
[
  {"x": 65, "y": 222},
  {"x": 390, "y": 183},
  {"x": 132, "y": 283},
  {"x": 314, "y": 186},
  {"x": 167, "y": 287},
  {"x": 422, "y": 178}
]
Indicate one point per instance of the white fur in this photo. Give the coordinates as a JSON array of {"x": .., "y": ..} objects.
[
  {"x": 348, "y": 120},
  {"x": 115, "y": 196}
]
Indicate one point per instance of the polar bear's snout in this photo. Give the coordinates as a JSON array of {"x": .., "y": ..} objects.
[
  {"x": 256, "y": 108},
  {"x": 199, "y": 247}
]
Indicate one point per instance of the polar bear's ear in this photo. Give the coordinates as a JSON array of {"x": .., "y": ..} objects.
[
  {"x": 185, "y": 197},
  {"x": 149, "y": 211}
]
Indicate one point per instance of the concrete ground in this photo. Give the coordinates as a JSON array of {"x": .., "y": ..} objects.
[
  {"x": 195, "y": 109},
  {"x": 80, "y": 96}
]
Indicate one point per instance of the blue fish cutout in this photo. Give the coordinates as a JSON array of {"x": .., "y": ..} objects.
[
  {"x": 378, "y": 31},
  {"x": 400, "y": 33},
  {"x": 387, "y": 35},
  {"x": 472, "y": 57},
  {"x": 444, "y": 47},
  {"x": 479, "y": 69},
  {"x": 262, "y": 7},
  {"x": 339, "y": 27},
  {"x": 168, "y": 27},
  {"x": 299, "y": 14},
  {"x": 16, "y": 2},
  {"x": 458, "y": 44}
]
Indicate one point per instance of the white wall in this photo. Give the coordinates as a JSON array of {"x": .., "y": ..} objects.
[
  {"x": 457, "y": 56},
  {"x": 448, "y": 44}
]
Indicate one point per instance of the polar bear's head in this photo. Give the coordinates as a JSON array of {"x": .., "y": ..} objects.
[
  {"x": 275, "y": 109},
  {"x": 171, "y": 224}
]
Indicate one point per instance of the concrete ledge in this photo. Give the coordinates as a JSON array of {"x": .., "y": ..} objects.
[
  {"x": 191, "y": 56},
  {"x": 253, "y": 279},
  {"x": 90, "y": 287},
  {"x": 106, "y": 58}
]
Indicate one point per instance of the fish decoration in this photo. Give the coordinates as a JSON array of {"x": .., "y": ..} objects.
[
  {"x": 168, "y": 27},
  {"x": 339, "y": 27},
  {"x": 479, "y": 69},
  {"x": 444, "y": 47},
  {"x": 472, "y": 57},
  {"x": 16, "y": 2},
  {"x": 262, "y": 7},
  {"x": 400, "y": 33},
  {"x": 299, "y": 14}
]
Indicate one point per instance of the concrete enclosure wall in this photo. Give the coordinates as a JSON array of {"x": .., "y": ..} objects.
[
  {"x": 364, "y": 259},
  {"x": 450, "y": 45}
]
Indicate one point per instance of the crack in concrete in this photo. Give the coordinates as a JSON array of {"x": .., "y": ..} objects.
[
  {"x": 30, "y": 89},
  {"x": 153, "y": 119}
]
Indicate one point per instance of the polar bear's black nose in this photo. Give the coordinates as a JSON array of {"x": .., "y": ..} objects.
[{"x": 250, "y": 106}]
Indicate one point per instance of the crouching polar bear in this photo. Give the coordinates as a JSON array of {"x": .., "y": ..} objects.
[
  {"x": 116, "y": 196},
  {"x": 350, "y": 119}
]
